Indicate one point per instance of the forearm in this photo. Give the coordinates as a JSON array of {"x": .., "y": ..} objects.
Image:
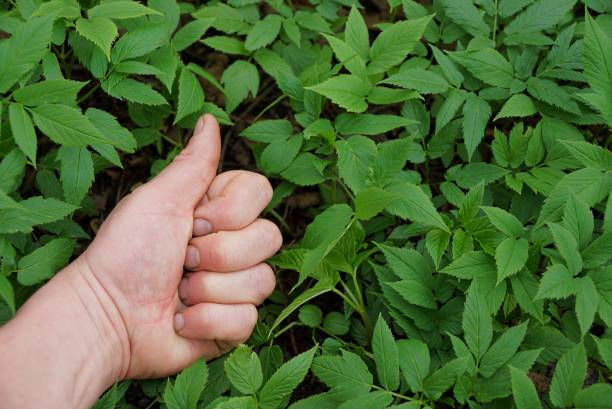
[{"x": 64, "y": 347}]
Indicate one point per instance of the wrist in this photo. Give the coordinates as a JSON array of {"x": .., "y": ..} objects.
[{"x": 71, "y": 329}]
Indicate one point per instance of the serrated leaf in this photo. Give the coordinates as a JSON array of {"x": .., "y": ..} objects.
[
  {"x": 567, "y": 246},
  {"x": 477, "y": 323},
  {"x": 347, "y": 91},
  {"x": 393, "y": 44},
  {"x": 415, "y": 205},
  {"x": 578, "y": 219},
  {"x": 472, "y": 265},
  {"x": 191, "y": 32},
  {"x": 282, "y": 383},
  {"x": 48, "y": 92},
  {"x": 263, "y": 32},
  {"x": 541, "y": 15},
  {"x": 99, "y": 30},
  {"x": 76, "y": 173},
  {"x": 189, "y": 384},
  {"x": 190, "y": 95},
  {"x": 305, "y": 170},
  {"x": 134, "y": 91},
  {"x": 139, "y": 42},
  {"x": 347, "y": 375},
  {"x": 590, "y": 155},
  {"x": 414, "y": 362},
  {"x": 243, "y": 370},
  {"x": 423, "y": 81},
  {"x": 488, "y": 65},
  {"x": 386, "y": 355},
  {"x": 568, "y": 377},
  {"x": 228, "y": 45},
  {"x": 518, "y": 105},
  {"x": 523, "y": 390},
  {"x": 594, "y": 397},
  {"x": 442, "y": 379},
  {"x": 277, "y": 156},
  {"x": 45, "y": 261},
  {"x": 465, "y": 14},
  {"x": 23, "y": 131},
  {"x": 436, "y": 242},
  {"x": 597, "y": 61},
  {"x": 356, "y": 33},
  {"x": 66, "y": 126},
  {"x": 369, "y": 124},
  {"x": 504, "y": 221},
  {"x": 549, "y": 92},
  {"x": 122, "y": 9},
  {"x": 502, "y": 350},
  {"x": 510, "y": 257},
  {"x": 557, "y": 282},
  {"x": 476, "y": 113},
  {"x": 370, "y": 201},
  {"x": 240, "y": 78},
  {"x": 587, "y": 301}
]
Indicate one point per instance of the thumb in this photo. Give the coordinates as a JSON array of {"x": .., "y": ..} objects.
[{"x": 187, "y": 178}]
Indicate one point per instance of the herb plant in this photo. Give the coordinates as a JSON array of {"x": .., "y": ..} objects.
[{"x": 442, "y": 174}]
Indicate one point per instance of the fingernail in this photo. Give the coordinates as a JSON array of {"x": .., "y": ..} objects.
[
  {"x": 192, "y": 258},
  {"x": 179, "y": 322},
  {"x": 200, "y": 125},
  {"x": 201, "y": 227},
  {"x": 183, "y": 289}
]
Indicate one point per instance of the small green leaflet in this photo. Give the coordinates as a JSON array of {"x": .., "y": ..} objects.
[
  {"x": 477, "y": 323},
  {"x": 597, "y": 60},
  {"x": 347, "y": 375},
  {"x": 263, "y": 32},
  {"x": 243, "y": 370},
  {"x": 518, "y": 105},
  {"x": 23, "y": 131},
  {"x": 594, "y": 396},
  {"x": 386, "y": 355},
  {"x": 190, "y": 33},
  {"x": 99, "y": 30},
  {"x": 45, "y": 261},
  {"x": 285, "y": 380},
  {"x": 510, "y": 257},
  {"x": 48, "y": 92},
  {"x": 369, "y": 124},
  {"x": 240, "y": 78},
  {"x": 488, "y": 65},
  {"x": 122, "y": 9},
  {"x": 557, "y": 282},
  {"x": 523, "y": 390},
  {"x": 414, "y": 362},
  {"x": 442, "y": 379},
  {"x": 413, "y": 204},
  {"x": 504, "y": 221},
  {"x": 567, "y": 246},
  {"x": 467, "y": 16},
  {"x": 423, "y": 81},
  {"x": 347, "y": 91},
  {"x": 76, "y": 173},
  {"x": 370, "y": 201},
  {"x": 587, "y": 302},
  {"x": 476, "y": 113},
  {"x": 190, "y": 97},
  {"x": 502, "y": 349},
  {"x": 568, "y": 377},
  {"x": 356, "y": 33},
  {"x": 186, "y": 390}
]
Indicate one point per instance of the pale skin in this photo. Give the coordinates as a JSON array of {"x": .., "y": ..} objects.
[{"x": 125, "y": 309}]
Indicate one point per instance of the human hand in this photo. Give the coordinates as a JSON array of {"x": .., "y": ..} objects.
[{"x": 138, "y": 255}]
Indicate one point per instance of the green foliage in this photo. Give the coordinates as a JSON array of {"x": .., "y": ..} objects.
[{"x": 458, "y": 152}]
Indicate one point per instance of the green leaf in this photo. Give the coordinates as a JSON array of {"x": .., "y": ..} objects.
[
  {"x": 269, "y": 131},
  {"x": 476, "y": 113},
  {"x": 122, "y": 9},
  {"x": 590, "y": 155},
  {"x": 604, "y": 347},
  {"x": 549, "y": 92},
  {"x": 373, "y": 400},
  {"x": 66, "y": 126},
  {"x": 48, "y": 92},
  {"x": 19, "y": 54},
  {"x": 32, "y": 212},
  {"x": 465, "y": 14},
  {"x": 414, "y": 362},
  {"x": 263, "y": 32},
  {"x": 23, "y": 131},
  {"x": 436, "y": 242},
  {"x": 292, "y": 30},
  {"x": 444, "y": 378},
  {"x": 394, "y": 43},
  {"x": 510, "y": 257},
  {"x": 370, "y": 201},
  {"x": 347, "y": 56},
  {"x": 76, "y": 173},
  {"x": 277, "y": 156},
  {"x": 506, "y": 222},
  {"x": 567, "y": 246},
  {"x": 502, "y": 350},
  {"x": 191, "y": 32},
  {"x": 541, "y": 15},
  {"x": 523, "y": 390},
  {"x": 99, "y": 30},
  {"x": 518, "y": 105},
  {"x": 282, "y": 383},
  {"x": 240, "y": 78},
  {"x": 568, "y": 377},
  {"x": 189, "y": 384},
  {"x": 369, "y": 124},
  {"x": 45, "y": 261},
  {"x": 190, "y": 95},
  {"x": 415, "y": 205},
  {"x": 386, "y": 355},
  {"x": 356, "y": 33},
  {"x": 451, "y": 72},
  {"x": 305, "y": 170},
  {"x": 347, "y": 375},
  {"x": 599, "y": 251},
  {"x": 423, "y": 81},
  {"x": 578, "y": 220},
  {"x": 594, "y": 397},
  {"x": 355, "y": 155},
  {"x": 134, "y": 91},
  {"x": 587, "y": 301},
  {"x": 139, "y": 42},
  {"x": 597, "y": 62},
  {"x": 228, "y": 45},
  {"x": 557, "y": 282},
  {"x": 477, "y": 323},
  {"x": 243, "y": 370},
  {"x": 449, "y": 108},
  {"x": 347, "y": 91},
  {"x": 310, "y": 315},
  {"x": 472, "y": 265},
  {"x": 7, "y": 294},
  {"x": 488, "y": 65},
  {"x": 336, "y": 324},
  {"x": 112, "y": 129}
]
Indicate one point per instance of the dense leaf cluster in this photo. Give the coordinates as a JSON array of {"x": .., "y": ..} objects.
[{"x": 460, "y": 149}]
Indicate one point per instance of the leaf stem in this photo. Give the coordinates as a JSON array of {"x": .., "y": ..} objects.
[{"x": 270, "y": 106}]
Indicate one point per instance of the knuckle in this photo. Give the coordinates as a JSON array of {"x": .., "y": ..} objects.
[
  {"x": 215, "y": 254},
  {"x": 265, "y": 282}
]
